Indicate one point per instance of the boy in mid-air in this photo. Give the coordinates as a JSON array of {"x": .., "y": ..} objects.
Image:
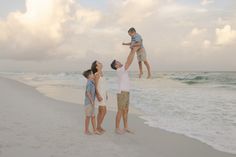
[
  {"x": 89, "y": 105},
  {"x": 137, "y": 41}
]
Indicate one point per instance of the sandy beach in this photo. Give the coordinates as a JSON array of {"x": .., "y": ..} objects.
[{"x": 35, "y": 125}]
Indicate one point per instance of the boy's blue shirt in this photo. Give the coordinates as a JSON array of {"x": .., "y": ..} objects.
[
  {"x": 137, "y": 38},
  {"x": 90, "y": 87}
]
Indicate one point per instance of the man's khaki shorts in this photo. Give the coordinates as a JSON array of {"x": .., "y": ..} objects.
[{"x": 123, "y": 100}]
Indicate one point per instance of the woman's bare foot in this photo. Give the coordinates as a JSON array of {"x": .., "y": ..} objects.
[{"x": 119, "y": 131}]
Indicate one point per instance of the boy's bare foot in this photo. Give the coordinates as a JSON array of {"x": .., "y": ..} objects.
[
  {"x": 140, "y": 74},
  {"x": 87, "y": 133},
  {"x": 119, "y": 131},
  {"x": 128, "y": 131}
]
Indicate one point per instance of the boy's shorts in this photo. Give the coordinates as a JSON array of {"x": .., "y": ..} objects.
[
  {"x": 141, "y": 54},
  {"x": 123, "y": 100},
  {"x": 89, "y": 110}
]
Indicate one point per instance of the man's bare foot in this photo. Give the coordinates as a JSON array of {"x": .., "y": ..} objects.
[
  {"x": 140, "y": 74},
  {"x": 128, "y": 131},
  {"x": 96, "y": 132},
  {"x": 87, "y": 133},
  {"x": 119, "y": 131},
  {"x": 149, "y": 77}
]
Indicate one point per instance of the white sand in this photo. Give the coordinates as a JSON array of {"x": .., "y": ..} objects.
[{"x": 32, "y": 125}]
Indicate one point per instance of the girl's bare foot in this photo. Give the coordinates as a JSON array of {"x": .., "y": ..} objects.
[
  {"x": 96, "y": 132},
  {"x": 101, "y": 130}
]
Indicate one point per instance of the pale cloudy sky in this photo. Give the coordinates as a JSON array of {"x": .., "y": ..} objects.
[{"x": 67, "y": 35}]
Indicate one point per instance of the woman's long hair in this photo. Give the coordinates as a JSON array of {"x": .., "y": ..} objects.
[{"x": 94, "y": 67}]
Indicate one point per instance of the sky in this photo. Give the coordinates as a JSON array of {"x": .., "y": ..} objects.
[{"x": 68, "y": 35}]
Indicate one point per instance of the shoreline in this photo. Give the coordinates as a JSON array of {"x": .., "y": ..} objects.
[{"x": 69, "y": 119}]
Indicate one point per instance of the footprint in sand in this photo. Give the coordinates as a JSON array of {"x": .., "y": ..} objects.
[
  {"x": 4, "y": 129},
  {"x": 36, "y": 146}
]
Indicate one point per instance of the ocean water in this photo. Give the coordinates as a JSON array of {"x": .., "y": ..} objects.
[{"x": 200, "y": 105}]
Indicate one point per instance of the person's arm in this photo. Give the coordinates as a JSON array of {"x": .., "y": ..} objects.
[
  {"x": 130, "y": 57},
  {"x": 99, "y": 97},
  {"x": 126, "y": 43},
  {"x": 137, "y": 44},
  {"x": 89, "y": 95}
]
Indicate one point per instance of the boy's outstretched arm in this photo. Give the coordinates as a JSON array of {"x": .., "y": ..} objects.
[
  {"x": 126, "y": 43},
  {"x": 130, "y": 57}
]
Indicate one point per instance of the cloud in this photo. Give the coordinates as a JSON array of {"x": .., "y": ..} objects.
[
  {"x": 51, "y": 29},
  {"x": 86, "y": 19},
  {"x": 206, "y": 2},
  {"x": 201, "y": 10},
  {"x": 225, "y": 35},
  {"x": 206, "y": 43},
  {"x": 221, "y": 21},
  {"x": 173, "y": 9},
  {"x": 196, "y": 38},
  {"x": 175, "y": 35},
  {"x": 42, "y": 31},
  {"x": 131, "y": 11},
  {"x": 197, "y": 31}
]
